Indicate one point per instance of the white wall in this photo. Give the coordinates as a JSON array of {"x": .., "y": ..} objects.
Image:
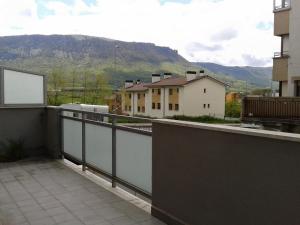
[
  {"x": 194, "y": 98},
  {"x": 294, "y": 45},
  {"x": 23, "y": 88},
  {"x": 284, "y": 89}
]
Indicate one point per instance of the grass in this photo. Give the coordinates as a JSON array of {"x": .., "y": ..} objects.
[{"x": 204, "y": 119}]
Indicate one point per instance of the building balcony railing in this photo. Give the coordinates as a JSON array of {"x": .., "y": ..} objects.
[
  {"x": 280, "y": 66},
  {"x": 281, "y": 5},
  {"x": 178, "y": 165},
  {"x": 284, "y": 54}
]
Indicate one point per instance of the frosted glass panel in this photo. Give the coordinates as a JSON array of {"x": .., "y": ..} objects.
[
  {"x": 99, "y": 147},
  {"x": 23, "y": 88},
  {"x": 73, "y": 138},
  {"x": 134, "y": 159}
]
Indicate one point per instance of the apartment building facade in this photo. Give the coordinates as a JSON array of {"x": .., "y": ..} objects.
[
  {"x": 167, "y": 96},
  {"x": 286, "y": 63}
]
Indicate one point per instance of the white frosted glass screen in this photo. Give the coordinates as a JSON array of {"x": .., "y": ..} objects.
[
  {"x": 23, "y": 88},
  {"x": 72, "y": 138},
  {"x": 98, "y": 148},
  {"x": 134, "y": 159}
]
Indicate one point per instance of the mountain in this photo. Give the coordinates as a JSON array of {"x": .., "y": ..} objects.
[
  {"x": 119, "y": 60},
  {"x": 255, "y": 76}
]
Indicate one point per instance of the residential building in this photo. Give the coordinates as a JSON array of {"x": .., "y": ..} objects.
[
  {"x": 167, "y": 96},
  {"x": 282, "y": 111},
  {"x": 286, "y": 69},
  {"x": 114, "y": 103}
]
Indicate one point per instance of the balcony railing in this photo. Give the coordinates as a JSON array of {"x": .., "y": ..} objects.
[
  {"x": 281, "y": 4},
  {"x": 98, "y": 142},
  {"x": 284, "y": 54},
  {"x": 273, "y": 109}
]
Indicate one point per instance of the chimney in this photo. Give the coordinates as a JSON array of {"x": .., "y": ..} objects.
[
  {"x": 155, "y": 78},
  {"x": 138, "y": 81},
  {"x": 191, "y": 75},
  {"x": 167, "y": 75},
  {"x": 202, "y": 72},
  {"x": 128, "y": 83}
]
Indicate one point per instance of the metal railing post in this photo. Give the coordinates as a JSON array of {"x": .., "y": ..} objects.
[
  {"x": 114, "y": 153},
  {"x": 61, "y": 132},
  {"x": 83, "y": 142}
]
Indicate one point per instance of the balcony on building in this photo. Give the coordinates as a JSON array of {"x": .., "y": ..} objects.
[
  {"x": 281, "y": 17},
  {"x": 96, "y": 168},
  {"x": 280, "y": 66}
]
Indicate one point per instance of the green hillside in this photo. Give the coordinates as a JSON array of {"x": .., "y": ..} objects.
[{"x": 116, "y": 60}]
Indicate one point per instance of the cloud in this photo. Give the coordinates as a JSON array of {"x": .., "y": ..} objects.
[
  {"x": 175, "y": 1},
  {"x": 225, "y": 30},
  {"x": 256, "y": 61},
  {"x": 195, "y": 47},
  {"x": 264, "y": 25},
  {"x": 225, "y": 35}
]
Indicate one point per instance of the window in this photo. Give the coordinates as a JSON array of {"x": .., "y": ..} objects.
[
  {"x": 176, "y": 107},
  {"x": 158, "y": 91},
  {"x": 153, "y": 105},
  {"x": 204, "y": 90},
  {"x": 139, "y": 96},
  {"x": 208, "y": 105},
  {"x": 177, "y": 90},
  {"x": 144, "y": 95},
  {"x": 130, "y": 96},
  {"x": 170, "y": 91},
  {"x": 158, "y": 105},
  {"x": 152, "y": 91},
  {"x": 125, "y": 107},
  {"x": 170, "y": 107},
  {"x": 139, "y": 108},
  {"x": 129, "y": 108},
  {"x": 143, "y": 109},
  {"x": 297, "y": 89},
  {"x": 204, "y": 106}
]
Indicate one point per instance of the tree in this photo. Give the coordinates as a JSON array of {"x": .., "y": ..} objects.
[
  {"x": 262, "y": 92},
  {"x": 56, "y": 83},
  {"x": 95, "y": 87},
  {"x": 233, "y": 109}
]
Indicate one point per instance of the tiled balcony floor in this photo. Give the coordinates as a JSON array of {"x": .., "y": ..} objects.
[{"x": 47, "y": 192}]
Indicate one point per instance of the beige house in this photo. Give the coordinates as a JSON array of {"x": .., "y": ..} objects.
[
  {"x": 286, "y": 64},
  {"x": 192, "y": 95}
]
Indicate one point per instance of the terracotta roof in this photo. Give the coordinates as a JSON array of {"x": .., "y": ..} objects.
[
  {"x": 179, "y": 81},
  {"x": 137, "y": 87}
]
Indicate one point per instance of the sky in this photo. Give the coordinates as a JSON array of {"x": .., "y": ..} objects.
[{"x": 228, "y": 32}]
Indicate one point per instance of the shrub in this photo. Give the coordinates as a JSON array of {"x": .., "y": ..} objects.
[
  {"x": 233, "y": 109},
  {"x": 12, "y": 150}
]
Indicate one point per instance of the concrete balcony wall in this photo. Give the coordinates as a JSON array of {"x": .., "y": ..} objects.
[
  {"x": 38, "y": 127},
  {"x": 218, "y": 175},
  {"x": 280, "y": 69},
  {"x": 281, "y": 22},
  {"x": 26, "y": 124}
]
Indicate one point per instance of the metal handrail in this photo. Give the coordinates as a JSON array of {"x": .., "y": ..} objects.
[
  {"x": 283, "y": 54},
  {"x": 83, "y": 117},
  {"x": 109, "y": 115},
  {"x": 285, "y": 4}
]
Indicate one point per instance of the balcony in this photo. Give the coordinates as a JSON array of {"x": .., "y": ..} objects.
[
  {"x": 279, "y": 5},
  {"x": 281, "y": 22},
  {"x": 189, "y": 173},
  {"x": 280, "y": 66}
]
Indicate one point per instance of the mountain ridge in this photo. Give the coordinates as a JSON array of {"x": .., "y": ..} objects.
[
  {"x": 258, "y": 76},
  {"x": 118, "y": 60}
]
